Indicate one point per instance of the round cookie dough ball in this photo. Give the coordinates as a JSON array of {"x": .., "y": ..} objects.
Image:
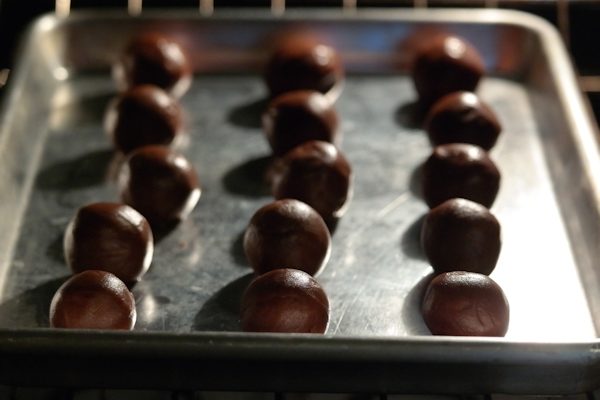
[
  {"x": 287, "y": 234},
  {"x": 460, "y": 170},
  {"x": 156, "y": 59},
  {"x": 444, "y": 65},
  {"x": 93, "y": 300},
  {"x": 111, "y": 237},
  {"x": 302, "y": 62},
  {"x": 461, "y": 235},
  {"x": 461, "y": 117},
  {"x": 159, "y": 183},
  {"x": 465, "y": 304},
  {"x": 316, "y": 173},
  {"x": 298, "y": 117},
  {"x": 285, "y": 300},
  {"x": 142, "y": 116}
]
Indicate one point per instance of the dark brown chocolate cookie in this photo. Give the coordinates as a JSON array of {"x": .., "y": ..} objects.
[
  {"x": 461, "y": 117},
  {"x": 159, "y": 183},
  {"x": 302, "y": 62},
  {"x": 460, "y": 170},
  {"x": 445, "y": 64},
  {"x": 285, "y": 300},
  {"x": 287, "y": 234},
  {"x": 316, "y": 173},
  {"x": 142, "y": 116},
  {"x": 461, "y": 235},
  {"x": 465, "y": 304},
  {"x": 93, "y": 300},
  {"x": 156, "y": 59},
  {"x": 111, "y": 237},
  {"x": 297, "y": 117}
]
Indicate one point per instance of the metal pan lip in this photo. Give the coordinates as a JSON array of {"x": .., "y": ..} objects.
[
  {"x": 570, "y": 97},
  {"x": 434, "y": 15},
  {"x": 296, "y": 346},
  {"x": 569, "y": 366}
]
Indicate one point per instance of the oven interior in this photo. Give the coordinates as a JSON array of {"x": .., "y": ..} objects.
[{"x": 576, "y": 20}]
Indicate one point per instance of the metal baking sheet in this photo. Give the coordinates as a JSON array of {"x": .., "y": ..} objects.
[{"x": 56, "y": 157}]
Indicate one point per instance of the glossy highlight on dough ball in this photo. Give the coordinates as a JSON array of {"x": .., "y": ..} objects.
[
  {"x": 460, "y": 170},
  {"x": 141, "y": 116},
  {"x": 445, "y": 64},
  {"x": 111, "y": 237},
  {"x": 159, "y": 183},
  {"x": 287, "y": 234},
  {"x": 465, "y": 304},
  {"x": 316, "y": 173},
  {"x": 462, "y": 117},
  {"x": 461, "y": 235},
  {"x": 93, "y": 299},
  {"x": 153, "y": 58},
  {"x": 301, "y": 61},
  {"x": 287, "y": 301},
  {"x": 298, "y": 117}
]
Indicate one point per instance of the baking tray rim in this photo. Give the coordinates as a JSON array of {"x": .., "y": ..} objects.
[
  {"x": 568, "y": 92},
  {"x": 583, "y": 354},
  {"x": 209, "y": 361}
]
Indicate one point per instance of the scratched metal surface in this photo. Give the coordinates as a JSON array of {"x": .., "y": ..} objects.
[{"x": 376, "y": 270}]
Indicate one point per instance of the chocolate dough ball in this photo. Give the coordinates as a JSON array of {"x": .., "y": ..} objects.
[
  {"x": 444, "y": 65},
  {"x": 93, "y": 300},
  {"x": 465, "y": 304},
  {"x": 461, "y": 235},
  {"x": 285, "y": 300},
  {"x": 159, "y": 183},
  {"x": 460, "y": 170},
  {"x": 111, "y": 237},
  {"x": 301, "y": 62},
  {"x": 461, "y": 117},
  {"x": 287, "y": 234},
  {"x": 297, "y": 117},
  {"x": 153, "y": 58},
  {"x": 141, "y": 116},
  {"x": 316, "y": 173}
]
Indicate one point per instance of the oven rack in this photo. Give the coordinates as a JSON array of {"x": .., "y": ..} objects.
[
  {"x": 101, "y": 394},
  {"x": 576, "y": 21}
]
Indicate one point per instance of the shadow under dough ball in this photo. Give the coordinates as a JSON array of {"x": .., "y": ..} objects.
[
  {"x": 302, "y": 62},
  {"x": 93, "y": 300},
  {"x": 159, "y": 183},
  {"x": 460, "y": 170},
  {"x": 109, "y": 237},
  {"x": 461, "y": 117},
  {"x": 465, "y": 304},
  {"x": 298, "y": 117},
  {"x": 444, "y": 65},
  {"x": 461, "y": 235},
  {"x": 142, "y": 116},
  {"x": 287, "y": 301},
  {"x": 287, "y": 234},
  {"x": 316, "y": 173},
  {"x": 153, "y": 58}
]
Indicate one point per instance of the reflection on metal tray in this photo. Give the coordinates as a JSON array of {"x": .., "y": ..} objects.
[{"x": 55, "y": 158}]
